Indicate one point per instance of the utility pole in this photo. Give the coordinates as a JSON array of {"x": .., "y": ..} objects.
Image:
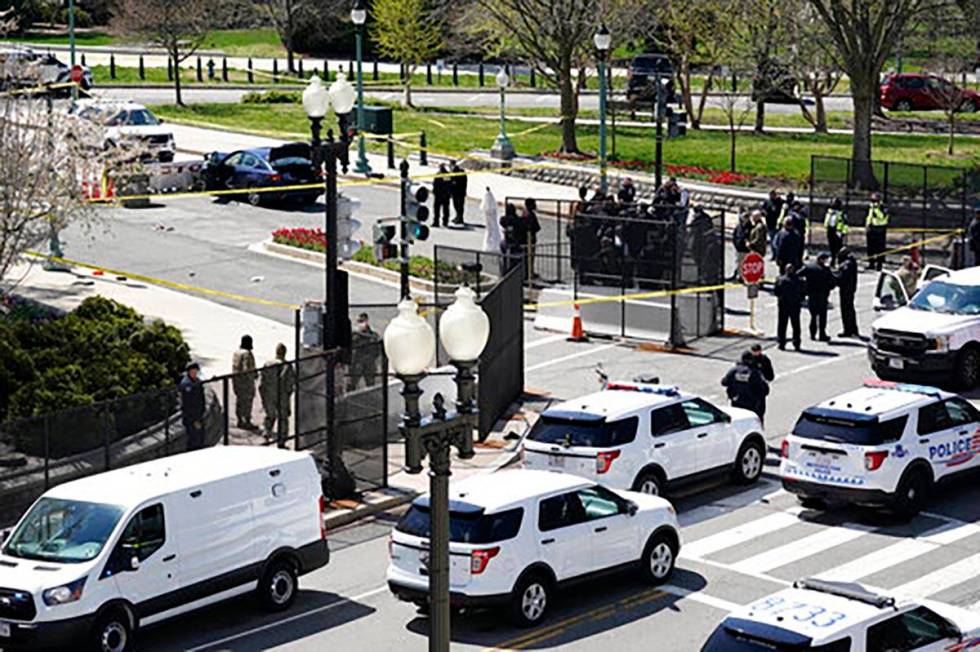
[
  {"x": 406, "y": 290},
  {"x": 659, "y": 109},
  {"x": 71, "y": 44}
]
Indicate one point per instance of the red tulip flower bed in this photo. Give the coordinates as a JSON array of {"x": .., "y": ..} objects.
[{"x": 312, "y": 239}]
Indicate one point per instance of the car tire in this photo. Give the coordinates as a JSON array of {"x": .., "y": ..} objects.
[
  {"x": 749, "y": 462},
  {"x": 903, "y": 105},
  {"x": 966, "y": 371},
  {"x": 279, "y": 585},
  {"x": 530, "y": 600},
  {"x": 254, "y": 198},
  {"x": 911, "y": 494},
  {"x": 812, "y": 503},
  {"x": 113, "y": 632},
  {"x": 650, "y": 483},
  {"x": 659, "y": 557},
  {"x": 969, "y": 106}
]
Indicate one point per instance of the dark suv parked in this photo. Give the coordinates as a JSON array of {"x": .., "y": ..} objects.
[{"x": 643, "y": 73}]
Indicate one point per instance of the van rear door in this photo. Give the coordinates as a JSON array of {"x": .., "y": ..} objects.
[{"x": 285, "y": 501}]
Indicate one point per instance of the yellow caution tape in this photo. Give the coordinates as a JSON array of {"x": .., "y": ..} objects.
[
  {"x": 616, "y": 298},
  {"x": 912, "y": 245}
]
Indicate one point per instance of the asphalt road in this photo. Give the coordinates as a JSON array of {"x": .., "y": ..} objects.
[
  {"x": 462, "y": 98},
  {"x": 346, "y": 606}
]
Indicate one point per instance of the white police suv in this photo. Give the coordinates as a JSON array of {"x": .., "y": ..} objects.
[
  {"x": 883, "y": 444},
  {"x": 516, "y": 536},
  {"x": 823, "y": 616},
  {"x": 647, "y": 438}
]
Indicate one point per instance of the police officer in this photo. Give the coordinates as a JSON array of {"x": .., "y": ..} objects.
[
  {"x": 876, "y": 226},
  {"x": 847, "y": 281},
  {"x": 442, "y": 193},
  {"x": 365, "y": 354},
  {"x": 789, "y": 295},
  {"x": 746, "y": 386},
  {"x": 819, "y": 282},
  {"x": 192, "y": 406},
  {"x": 836, "y": 224},
  {"x": 457, "y": 187},
  {"x": 762, "y": 362}
]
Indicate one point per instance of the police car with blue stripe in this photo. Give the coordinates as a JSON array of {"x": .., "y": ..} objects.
[
  {"x": 885, "y": 444},
  {"x": 824, "y": 616}
]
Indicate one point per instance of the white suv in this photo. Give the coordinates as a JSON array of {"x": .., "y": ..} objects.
[
  {"x": 884, "y": 444},
  {"x": 822, "y": 616},
  {"x": 516, "y": 536},
  {"x": 647, "y": 438},
  {"x": 131, "y": 122}
]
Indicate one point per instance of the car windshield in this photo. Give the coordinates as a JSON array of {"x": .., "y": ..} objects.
[
  {"x": 940, "y": 296},
  {"x": 142, "y": 118},
  {"x": 842, "y": 430},
  {"x": 465, "y": 526},
  {"x": 730, "y": 639},
  {"x": 65, "y": 531},
  {"x": 594, "y": 433}
]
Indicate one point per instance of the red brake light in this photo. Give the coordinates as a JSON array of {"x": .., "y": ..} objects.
[
  {"x": 873, "y": 461},
  {"x": 276, "y": 178},
  {"x": 480, "y": 558},
  {"x": 322, "y": 503},
  {"x": 604, "y": 460},
  {"x": 784, "y": 449}
]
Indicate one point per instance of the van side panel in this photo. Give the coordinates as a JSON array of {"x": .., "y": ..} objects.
[
  {"x": 285, "y": 501},
  {"x": 214, "y": 526}
]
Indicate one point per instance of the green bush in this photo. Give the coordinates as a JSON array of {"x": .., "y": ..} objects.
[
  {"x": 102, "y": 350},
  {"x": 273, "y": 97}
]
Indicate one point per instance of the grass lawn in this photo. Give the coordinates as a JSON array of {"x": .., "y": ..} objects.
[
  {"x": 129, "y": 76},
  {"x": 81, "y": 39},
  {"x": 245, "y": 42},
  {"x": 771, "y": 155}
]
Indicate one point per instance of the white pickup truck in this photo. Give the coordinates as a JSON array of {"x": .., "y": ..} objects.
[{"x": 933, "y": 335}]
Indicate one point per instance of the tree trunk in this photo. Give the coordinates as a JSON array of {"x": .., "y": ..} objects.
[
  {"x": 290, "y": 62},
  {"x": 732, "y": 136},
  {"x": 407, "y": 99},
  {"x": 952, "y": 131},
  {"x": 760, "y": 118},
  {"x": 569, "y": 108},
  {"x": 175, "y": 55},
  {"x": 704, "y": 96},
  {"x": 821, "y": 126},
  {"x": 684, "y": 81},
  {"x": 863, "y": 92}
]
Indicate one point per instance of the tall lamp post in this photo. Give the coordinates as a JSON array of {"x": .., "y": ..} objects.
[
  {"x": 358, "y": 16},
  {"x": 502, "y": 148},
  {"x": 410, "y": 345},
  {"x": 336, "y": 328},
  {"x": 602, "y": 40}
]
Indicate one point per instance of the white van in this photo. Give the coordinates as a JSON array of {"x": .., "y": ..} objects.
[{"x": 95, "y": 559}]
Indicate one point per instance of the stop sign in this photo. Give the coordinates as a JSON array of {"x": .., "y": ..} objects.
[
  {"x": 77, "y": 74},
  {"x": 753, "y": 268}
]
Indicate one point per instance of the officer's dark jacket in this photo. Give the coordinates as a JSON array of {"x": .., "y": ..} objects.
[
  {"x": 847, "y": 276},
  {"x": 746, "y": 387},
  {"x": 819, "y": 281},
  {"x": 191, "y": 399},
  {"x": 789, "y": 291}
]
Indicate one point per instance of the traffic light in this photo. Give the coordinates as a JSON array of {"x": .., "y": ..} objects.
[
  {"x": 347, "y": 226},
  {"x": 384, "y": 240},
  {"x": 416, "y": 212},
  {"x": 676, "y": 123}
]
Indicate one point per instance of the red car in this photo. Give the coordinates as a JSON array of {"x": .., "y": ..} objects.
[{"x": 921, "y": 92}]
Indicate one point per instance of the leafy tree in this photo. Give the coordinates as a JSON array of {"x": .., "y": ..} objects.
[
  {"x": 292, "y": 17},
  {"x": 409, "y": 32}
]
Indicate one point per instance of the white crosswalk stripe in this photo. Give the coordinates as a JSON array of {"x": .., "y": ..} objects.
[
  {"x": 738, "y": 535},
  {"x": 800, "y": 549},
  {"x": 939, "y": 580}
]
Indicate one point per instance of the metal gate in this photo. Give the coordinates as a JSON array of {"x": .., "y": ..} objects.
[{"x": 501, "y": 375}]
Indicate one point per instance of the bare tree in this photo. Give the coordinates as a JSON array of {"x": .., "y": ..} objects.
[
  {"x": 809, "y": 60},
  {"x": 178, "y": 26},
  {"x": 409, "y": 32},
  {"x": 292, "y": 17},
  {"x": 49, "y": 163},
  {"x": 697, "y": 33},
  {"x": 759, "y": 36},
  {"x": 863, "y": 34},
  {"x": 952, "y": 99},
  {"x": 737, "y": 109},
  {"x": 555, "y": 36}
]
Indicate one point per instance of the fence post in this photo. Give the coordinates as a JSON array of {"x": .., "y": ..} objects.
[
  {"x": 166, "y": 431},
  {"x": 423, "y": 150},
  {"x": 105, "y": 439},
  {"x": 142, "y": 69},
  {"x": 224, "y": 69},
  {"x": 480, "y": 74},
  {"x": 170, "y": 69},
  {"x": 251, "y": 79},
  {"x": 300, "y": 64},
  {"x": 534, "y": 78},
  {"x": 112, "y": 66},
  {"x": 275, "y": 70},
  {"x": 224, "y": 412},
  {"x": 350, "y": 69},
  {"x": 391, "y": 152},
  {"x": 83, "y": 59},
  {"x": 200, "y": 71},
  {"x": 455, "y": 74},
  {"x": 384, "y": 419},
  {"x": 560, "y": 231},
  {"x": 47, "y": 451},
  {"x": 374, "y": 70},
  {"x": 297, "y": 328},
  {"x": 428, "y": 73}
]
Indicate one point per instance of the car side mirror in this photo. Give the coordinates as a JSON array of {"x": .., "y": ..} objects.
[
  {"x": 134, "y": 563},
  {"x": 631, "y": 508}
]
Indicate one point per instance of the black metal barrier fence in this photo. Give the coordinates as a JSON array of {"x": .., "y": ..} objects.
[
  {"x": 280, "y": 403},
  {"x": 926, "y": 203},
  {"x": 654, "y": 272}
]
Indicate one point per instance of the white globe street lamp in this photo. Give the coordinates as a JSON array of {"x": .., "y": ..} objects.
[
  {"x": 602, "y": 41},
  {"x": 409, "y": 341},
  {"x": 316, "y": 99},
  {"x": 342, "y": 95},
  {"x": 464, "y": 327},
  {"x": 502, "y": 148}
]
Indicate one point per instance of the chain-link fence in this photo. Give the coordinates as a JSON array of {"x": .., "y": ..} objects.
[
  {"x": 926, "y": 204},
  {"x": 267, "y": 406}
]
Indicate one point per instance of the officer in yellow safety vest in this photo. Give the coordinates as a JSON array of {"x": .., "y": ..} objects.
[
  {"x": 836, "y": 224},
  {"x": 876, "y": 229}
]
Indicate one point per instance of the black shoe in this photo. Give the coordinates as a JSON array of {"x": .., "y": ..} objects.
[
  {"x": 797, "y": 347},
  {"x": 782, "y": 347},
  {"x": 824, "y": 338}
]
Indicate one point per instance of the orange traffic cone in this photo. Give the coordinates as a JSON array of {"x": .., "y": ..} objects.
[{"x": 578, "y": 333}]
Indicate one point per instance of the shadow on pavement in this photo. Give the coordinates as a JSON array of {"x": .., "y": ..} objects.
[
  {"x": 612, "y": 602},
  {"x": 240, "y": 624}
]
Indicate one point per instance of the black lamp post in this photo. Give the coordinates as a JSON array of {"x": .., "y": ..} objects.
[
  {"x": 410, "y": 345},
  {"x": 336, "y": 322}
]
